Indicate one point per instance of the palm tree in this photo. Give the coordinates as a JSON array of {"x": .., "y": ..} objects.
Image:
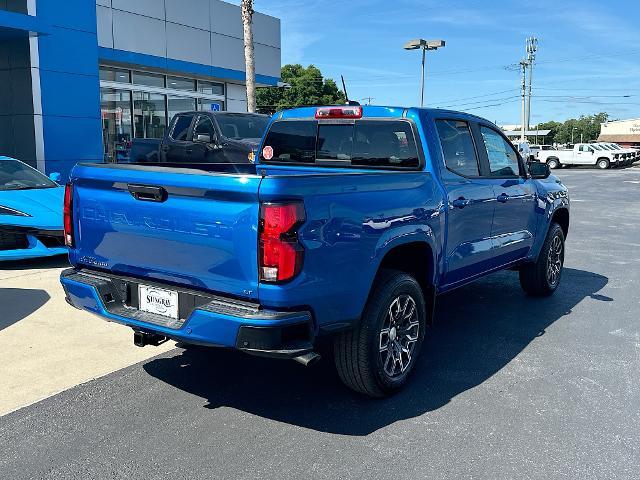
[{"x": 249, "y": 59}]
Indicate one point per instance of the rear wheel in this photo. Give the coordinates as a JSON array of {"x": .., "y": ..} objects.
[
  {"x": 376, "y": 358},
  {"x": 603, "y": 163},
  {"x": 542, "y": 278},
  {"x": 553, "y": 163}
]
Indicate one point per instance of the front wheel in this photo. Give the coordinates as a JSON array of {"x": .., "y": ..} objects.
[
  {"x": 553, "y": 163},
  {"x": 541, "y": 279},
  {"x": 603, "y": 164},
  {"x": 376, "y": 358}
]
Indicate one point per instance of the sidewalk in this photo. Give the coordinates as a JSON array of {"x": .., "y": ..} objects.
[{"x": 46, "y": 346}]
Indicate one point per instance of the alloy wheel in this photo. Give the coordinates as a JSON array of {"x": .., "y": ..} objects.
[
  {"x": 399, "y": 336},
  {"x": 554, "y": 261}
]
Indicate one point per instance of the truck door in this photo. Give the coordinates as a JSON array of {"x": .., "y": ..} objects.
[
  {"x": 206, "y": 146},
  {"x": 470, "y": 203},
  {"x": 175, "y": 146},
  {"x": 514, "y": 220},
  {"x": 584, "y": 155}
]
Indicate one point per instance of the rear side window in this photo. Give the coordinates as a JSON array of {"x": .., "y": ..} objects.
[
  {"x": 457, "y": 147},
  {"x": 181, "y": 127},
  {"x": 364, "y": 143},
  {"x": 503, "y": 160}
]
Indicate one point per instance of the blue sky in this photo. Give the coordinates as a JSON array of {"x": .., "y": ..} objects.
[{"x": 588, "y": 58}]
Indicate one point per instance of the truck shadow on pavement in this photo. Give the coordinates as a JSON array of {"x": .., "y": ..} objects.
[
  {"x": 480, "y": 328},
  {"x": 18, "y": 303}
]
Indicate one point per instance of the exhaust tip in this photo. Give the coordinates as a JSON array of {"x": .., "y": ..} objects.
[{"x": 308, "y": 359}]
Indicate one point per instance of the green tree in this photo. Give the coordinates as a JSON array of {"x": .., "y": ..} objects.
[
  {"x": 308, "y": 87},
  {"x": 554, "y": 127},
  {"x": 585, "y": 129}
]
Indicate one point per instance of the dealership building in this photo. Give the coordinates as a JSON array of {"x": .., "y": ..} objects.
[
  {"x": 79, "y": 79},
  {"x": 623, "y": 132}
]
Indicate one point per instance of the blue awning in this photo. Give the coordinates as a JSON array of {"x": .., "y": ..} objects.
[{"x": 14, "y": 25}]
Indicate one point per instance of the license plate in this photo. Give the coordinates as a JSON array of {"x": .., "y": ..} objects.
[{"x": 158, "y": 301}]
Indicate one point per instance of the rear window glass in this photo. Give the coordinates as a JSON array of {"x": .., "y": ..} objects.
[
  {"x": 181, "y": 127},
  {"x": 293, "y": 141},
  {"x": 364, "y": 143}
]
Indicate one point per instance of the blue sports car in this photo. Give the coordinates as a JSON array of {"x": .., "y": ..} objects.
[{"x": 30, "y": 212}]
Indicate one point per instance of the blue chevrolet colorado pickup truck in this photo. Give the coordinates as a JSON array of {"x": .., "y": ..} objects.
[{"x": 350, "y": 224}]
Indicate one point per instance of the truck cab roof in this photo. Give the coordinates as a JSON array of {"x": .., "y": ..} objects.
[{"x": 379, "y": 111}]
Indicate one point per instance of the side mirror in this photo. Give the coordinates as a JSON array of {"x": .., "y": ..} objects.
[
  {"x": 55, "y": 176},
  {"x": 204, "y": 138},
  {"x": 539, "y": 170}
]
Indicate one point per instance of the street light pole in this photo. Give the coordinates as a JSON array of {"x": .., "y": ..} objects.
[
  {"x": 424, "y": 54},
  {"x": 424, "y": 45}
]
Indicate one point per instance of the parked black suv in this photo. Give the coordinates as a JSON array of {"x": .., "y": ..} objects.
[{"x": 203, "y": 137}]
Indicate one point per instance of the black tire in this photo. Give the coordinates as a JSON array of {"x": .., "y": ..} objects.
[
  {"x": 553, "y": 163},
  {"x": 357, "y": 353},
  {"x": 536, "y": 278},
  {"x": 603, "y": 163}
]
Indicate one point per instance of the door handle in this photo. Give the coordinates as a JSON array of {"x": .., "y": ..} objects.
[
  {"x": 502, "y": 198},
  {"x": 147, "y": 193},
  {"x": 189, "y": 151},
  {"x": 460, "y": 202},
  {"x": 165, "y": 148}
]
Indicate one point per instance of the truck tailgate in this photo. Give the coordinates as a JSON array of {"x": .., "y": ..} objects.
[{"x": 201, "y": 231}]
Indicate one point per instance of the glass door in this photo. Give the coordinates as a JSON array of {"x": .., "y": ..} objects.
[
  {"x": 117, "y": 129},
  {"x": 149, "y": 114}
]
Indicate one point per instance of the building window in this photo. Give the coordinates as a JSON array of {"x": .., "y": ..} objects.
[
  {"x": 115, "y": 75},
  {"x": 180, "y": 104},
  {"x": 179, "y": 83},
  {"x": 148, "y": 79},
  {"x": 210, "y": 105},
  {"x": 149, "y": 115},
  {"x": 117, "y": 128},
  {"x": 210, "y": 88}
]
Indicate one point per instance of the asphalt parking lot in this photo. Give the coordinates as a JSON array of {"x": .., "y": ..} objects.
[{"x": 507, "y": 387}]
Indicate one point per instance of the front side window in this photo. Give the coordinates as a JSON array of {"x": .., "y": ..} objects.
[
  {"x": 503, "y": 159},
  {"x": 15, "y": 175},
  {"x": 181, "y": 127},
  {"x": 204, "y": 127},
  {"x": 457, "y": 147}
]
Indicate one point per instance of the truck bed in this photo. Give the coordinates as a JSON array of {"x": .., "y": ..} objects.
[{"x": 204, "y": 233}]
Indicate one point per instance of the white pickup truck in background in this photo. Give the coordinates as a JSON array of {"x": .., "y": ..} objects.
[
  {"x": 582, "y": 154},
  {"x": 629, "y": 155}
]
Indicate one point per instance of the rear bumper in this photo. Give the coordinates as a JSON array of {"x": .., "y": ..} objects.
[{"x": 204, "y": 319}]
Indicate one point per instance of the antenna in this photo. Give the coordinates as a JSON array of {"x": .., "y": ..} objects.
[{"x": 344, "y": 88}]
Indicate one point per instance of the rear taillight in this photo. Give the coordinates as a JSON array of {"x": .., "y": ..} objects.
[
  {"x": 280, "y": 252},
  {"x": 68, "y": 215}
]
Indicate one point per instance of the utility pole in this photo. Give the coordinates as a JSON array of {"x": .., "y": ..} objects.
[
  {"x": 523, "y": 113},
  {"x": 368, "y": 100},
  {"x": 532, "y": 48}
]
